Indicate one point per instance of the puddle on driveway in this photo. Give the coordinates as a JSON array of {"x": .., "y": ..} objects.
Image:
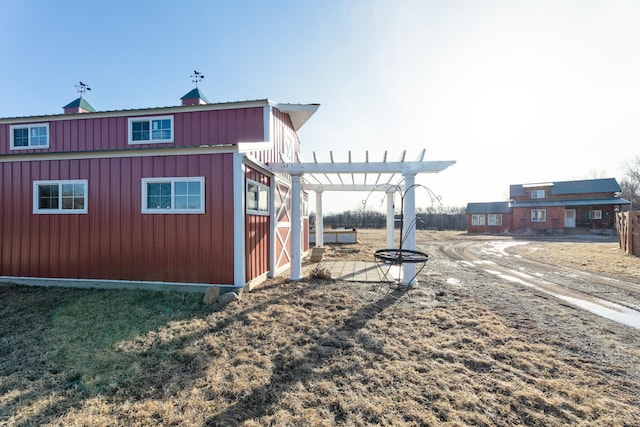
[{"x": 598, "y": 306}]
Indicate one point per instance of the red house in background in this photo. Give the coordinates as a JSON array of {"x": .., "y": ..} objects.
[
  {"x": 175, "y": 195},
  {"x": 551, "y": 207}
]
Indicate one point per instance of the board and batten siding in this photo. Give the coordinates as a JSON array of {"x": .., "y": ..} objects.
[
  {"x": 114, "y": 240},
  {"x": 86, "y": 133},
  {"x": 256, "y": 234}
]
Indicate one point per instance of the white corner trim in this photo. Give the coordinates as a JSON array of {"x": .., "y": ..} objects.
[{"x": 239, "y": 276}]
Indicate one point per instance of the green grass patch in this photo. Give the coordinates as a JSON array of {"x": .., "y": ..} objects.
[{"x": 86, "y": 332}]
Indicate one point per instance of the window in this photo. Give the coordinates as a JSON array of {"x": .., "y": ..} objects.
[
  {"x": 60, "y": 197},
  {"x": 150, "y": 130},
  {"x": 538, "y": 215},
  {"x": 173, "y": 195},
  {"x": 494, "y": 219},
  {"x": 596, "y": 214},
  {"x": 477, "y": 219},
  {"x": 29, "y": 136},
  {"x": 537, "y": 194},
  {"x": 257, "y": 198}
]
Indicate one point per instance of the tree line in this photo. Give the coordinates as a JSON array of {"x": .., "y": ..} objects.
[{"x": 431, "y": 218}]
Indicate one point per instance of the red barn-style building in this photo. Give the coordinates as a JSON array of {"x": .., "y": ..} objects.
[{"x": 169, "y": 196}]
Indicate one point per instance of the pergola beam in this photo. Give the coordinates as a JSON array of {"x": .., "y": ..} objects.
[{"x": 362, "y": 167}]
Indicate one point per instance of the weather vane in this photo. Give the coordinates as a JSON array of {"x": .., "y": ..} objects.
[
  {"x": 197, "y": 76},
  {"x": 82, "y": 88}
]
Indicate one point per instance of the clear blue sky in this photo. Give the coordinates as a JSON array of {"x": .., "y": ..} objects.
[{"x": 514, "y": 91}]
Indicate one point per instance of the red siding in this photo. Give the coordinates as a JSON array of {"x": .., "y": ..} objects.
[
  {"x": 554, "y": 222},
  {"x": 114, "y": 240},
  {"x": 207, "y": 127},
  {"x": 256, "y": 235},
  {"x": 285, "y": 140}
]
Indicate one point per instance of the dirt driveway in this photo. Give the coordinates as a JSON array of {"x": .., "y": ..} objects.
[{"x": 582, "y": 292}]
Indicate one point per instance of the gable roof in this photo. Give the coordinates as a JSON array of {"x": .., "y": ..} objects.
[{"x": 585, "y": 186}]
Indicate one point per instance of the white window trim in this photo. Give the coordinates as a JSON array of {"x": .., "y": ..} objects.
[
  {"x": 596, "y": 214},
  {"x": 36, "y": 210},
  {"x": 538, "y": 220},
  {"x": 478, "y": 219},
  {"x": 172, "y": 180},
  {"x": 149, "y": 119},
  {"x": 260, "y": 187},
  {"x": 494, "y": 219},
  {"x": 29, "y": 126},
  {"x": 537, "y": 194}
]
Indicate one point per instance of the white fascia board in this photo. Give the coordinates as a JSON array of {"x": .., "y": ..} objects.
[
  {"x": 299, "y": 113},
  {"x": 245, "y": 147},
  {"x": 131, "y": 152},
  {"x": 362, "y": 167}
]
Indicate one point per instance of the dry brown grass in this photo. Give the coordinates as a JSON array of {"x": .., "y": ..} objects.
[{"x": 301, "y": 353}]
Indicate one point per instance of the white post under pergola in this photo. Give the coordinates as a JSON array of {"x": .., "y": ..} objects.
[
  {"x": 319, "y": 223},
  {"x": 407, "y": 169},
  {"x": 409, "y": 227},
  {"x": 391, "y": 219},
  {"x": 296, "y": 228}
]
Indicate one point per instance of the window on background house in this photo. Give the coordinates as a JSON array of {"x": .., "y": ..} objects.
[
  {"x": 150, "y": 130},
  {"x": 173, "y": 195},
  {"x": 494, "y": 219},
  {"x": 257, "y": 198},
  {"x": 60, "y": 197},
  {"x": 477, "y": 219},
  {"x": 538, "y": 215},
  {"x": 597, "y": 214},
  {"x": 537, "y": 194},
  {"x": 29, "y": 136}
]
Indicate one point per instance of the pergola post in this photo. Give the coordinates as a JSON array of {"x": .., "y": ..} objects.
[
  {"x": 319, "y": 223},
  {"x": 296, "y": 228},
  {"x": 409, "y": 228},
  {"x": 391, "y": 220}
]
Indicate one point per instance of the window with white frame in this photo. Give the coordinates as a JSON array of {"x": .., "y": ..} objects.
[
  {"x": 537, "y": 194},
  {"x": 477, "y": 219},
  {"x": 29, "y": 136},
  {"x": 173, "y": 195},
  {"x": 538, "y": 215},
  {"x": 494, "y": 219},
  {"x": 596, "y": 214},
  {"x": 257, "y": 198},
  {"x": 60, "y": 197},
  {"x": 145, "y": 130}
]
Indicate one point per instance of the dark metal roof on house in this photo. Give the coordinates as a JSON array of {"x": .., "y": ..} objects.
[
  {"x": 602, "y": 185},
  {"x": 80, "y": 103},
  {"x": 490, "y": 207},
  {"x": 570, "y": 202}
]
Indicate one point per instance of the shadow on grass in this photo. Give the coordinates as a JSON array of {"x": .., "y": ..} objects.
[
  {"x": 287, "y": 371},
  {"x": 58, "y": 346},
  {"x": 61, "y": 347}
]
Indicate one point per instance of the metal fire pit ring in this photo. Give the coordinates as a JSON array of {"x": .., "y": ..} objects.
[{"x": 400, "y": 256}]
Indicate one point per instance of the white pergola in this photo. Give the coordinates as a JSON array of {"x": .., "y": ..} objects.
[{"x": 385, "y": 176}]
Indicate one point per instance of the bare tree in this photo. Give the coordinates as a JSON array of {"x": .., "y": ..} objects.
[{"x": 631, "y": 182}]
